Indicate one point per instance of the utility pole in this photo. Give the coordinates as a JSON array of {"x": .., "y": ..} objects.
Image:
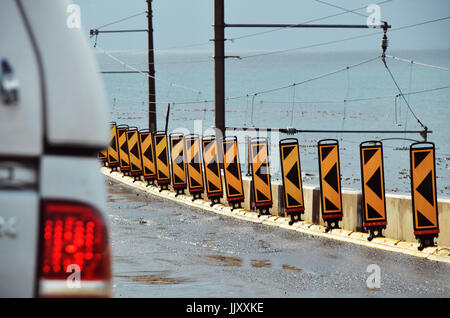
[
  {"x": 151, "y": 72},
  {"x": 219, "y": 65}
]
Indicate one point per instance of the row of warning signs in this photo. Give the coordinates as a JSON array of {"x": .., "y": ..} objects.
[{"x": 193, "y": 163}]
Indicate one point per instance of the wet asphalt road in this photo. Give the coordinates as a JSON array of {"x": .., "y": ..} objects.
[{"x": 164, "y": 249}]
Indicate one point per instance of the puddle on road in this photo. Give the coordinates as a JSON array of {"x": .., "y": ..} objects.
[
  {"x": 264, "y": 244},
  {"x": 292, "y": 268},
  {"x": 119, "y": 259},
  {"x": 219, "y": 260},
  {"x": 153, "y": 278},
  {"x": 261, "y": 263}
]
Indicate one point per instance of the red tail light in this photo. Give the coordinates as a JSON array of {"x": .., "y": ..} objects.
[{"x": 74, "y": 236}]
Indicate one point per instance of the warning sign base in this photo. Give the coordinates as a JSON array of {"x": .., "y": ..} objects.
[
  {"x": 295, "y": 217},
  {"x": 235, "y": 202},
  {"x": 263, "y": 210},
  {"x": 375, "y": 231},
  {"x": 164, "y": 187},
  {"x": 113, "y": 168},
  {"x": 236, "y": 205},
  {"x": 179, "y": 190},
  {"x": 136, "y": 178},
  {"x": 196, "y": 195},
  {"x": 215, "y": 199},
  {"x": 332, "y": 223},
  {"x": 426, "y": 240}
]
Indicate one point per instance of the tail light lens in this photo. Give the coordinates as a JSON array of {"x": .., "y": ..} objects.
[{"x": 74, "y": 238}]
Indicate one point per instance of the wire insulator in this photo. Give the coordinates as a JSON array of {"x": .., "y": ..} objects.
[
  {"x": 291, "y": 130},
  {"x": 384, "y": 44},
  {"x": 384, "y": 41}
]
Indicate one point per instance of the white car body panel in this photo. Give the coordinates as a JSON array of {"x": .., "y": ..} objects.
[
  {"x": 19, "y": 208},
  {"x": 21, "y": 124},
  {"x": 78, "y": 176},
  {"x": 76, "y": 104}
]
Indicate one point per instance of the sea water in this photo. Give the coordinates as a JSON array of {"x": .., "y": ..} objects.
[{"x": 326, "y": 103}]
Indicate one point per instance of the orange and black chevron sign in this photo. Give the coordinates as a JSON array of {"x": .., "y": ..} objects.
[
  {"x": 102, "y": 155},
  {"x": 292, "y": 176},
  {"x": 147, "y": 155},
  {"x": 262, "y": 190},
  {"x": 134, "y": 151},
  {"x": 113, "y": 150},
  {"x": 178, "y": 166},
  {"x": 123, "y": 148},
  {"x": 194, "y": 165},
  {"x": 162, "y": 158},
  {"x": 423, "y": 189},
  {"x": 232, "y": 171},
  {"x": 330, "y": 179},
  {"x": 372, "y": 178},
  {"x": 213, "y": 176}
]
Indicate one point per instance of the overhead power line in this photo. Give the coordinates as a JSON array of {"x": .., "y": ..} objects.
[
  {"x": 418, "y": 63},
  {"x": 306, "y": 22},
  {"x": 344, "y": 39},
  {"x": 121, "y": 20},
  {"x": 148, "y": 75}
]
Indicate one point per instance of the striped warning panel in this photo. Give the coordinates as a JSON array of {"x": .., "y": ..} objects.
[
  {"x": 232, "y": 170},
  {"x": 102, "y": 155},
  {"x": 423, "y": 188},
  {"x": 147, "y": 154},
  {"x": 372, "y": 178},
  {"x": 123, "y": 148},
  {"x": 330, "y": 179},
  {"x": 291, "y": 175},
  {"x": 194, "y": 164},
  {"x": 262, "y": 191},
  {"x": 134, "y": 151},
  {"x": 213, "y": 177},
  {"x": 161, "y": 158},
  {"x": 178, "y": 166},
  {"x": 113, "y": 151}
]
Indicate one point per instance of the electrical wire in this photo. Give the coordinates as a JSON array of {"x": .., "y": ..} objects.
[
  {"x": 417, "y": 63},
  {"x": 148, "y": 75},
  {"x": 306, "y": 22},
  {"x": 403, "y": 96},
  {"x": 342, "y": 40},
  {"x": 121, "y": 20}
]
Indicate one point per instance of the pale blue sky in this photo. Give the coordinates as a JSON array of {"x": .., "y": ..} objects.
[{"x": 185, "y": 22}]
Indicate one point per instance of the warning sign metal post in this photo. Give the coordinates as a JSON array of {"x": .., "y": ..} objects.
[
  {"x": 372, "y": 179},
  {"x": 262, "y": 190},
  {"x": 213, "y": 176},
  {"x": 147, "y": 156},
  {"x": 330, "y": 182},
  {"x": 113, "y": 152},
  {"x": 292, "y": 179},
  {"x": 232, "y": 172},
  {"x": 194, "y": 165},
  {"x": 178, "y": 166},
  {"x": 424, "y": 194},
  {"x": 123, "y": 149},
  {"x": 162, "y": 160},
  {"x": 134, "y": 152}
]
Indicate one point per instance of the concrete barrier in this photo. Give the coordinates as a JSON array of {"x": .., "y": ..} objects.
[{"x": 398, "y": 207}]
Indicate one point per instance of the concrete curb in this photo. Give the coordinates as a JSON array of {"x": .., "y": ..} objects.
[{"x": 438, "y": 254}]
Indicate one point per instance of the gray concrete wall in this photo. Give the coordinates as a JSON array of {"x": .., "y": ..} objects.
[{"x": 398, "y": 207}]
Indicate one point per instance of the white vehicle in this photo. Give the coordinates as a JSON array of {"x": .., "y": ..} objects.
[{"x": 53, "y": 120}]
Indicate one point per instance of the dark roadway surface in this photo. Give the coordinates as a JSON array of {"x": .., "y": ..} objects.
[{"x": 164, "y": 249}]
